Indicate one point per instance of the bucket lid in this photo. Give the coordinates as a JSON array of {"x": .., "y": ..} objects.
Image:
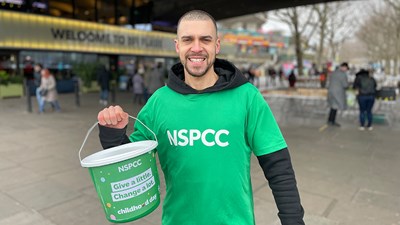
[{"x": 118, "y": 153}]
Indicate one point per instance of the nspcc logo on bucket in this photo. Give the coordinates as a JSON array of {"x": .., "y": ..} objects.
[{"x": 126, "y": 180}]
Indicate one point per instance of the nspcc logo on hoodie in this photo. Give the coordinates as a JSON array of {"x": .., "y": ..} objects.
[{"x": 208, "y": 137}]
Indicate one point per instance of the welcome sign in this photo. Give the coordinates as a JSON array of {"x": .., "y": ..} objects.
[{"x": 28, "y": 31}]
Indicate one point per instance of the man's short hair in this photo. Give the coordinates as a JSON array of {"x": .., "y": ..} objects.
[
  {"x": 197, "y": 15},
  {"x": 344, "y": 64}
]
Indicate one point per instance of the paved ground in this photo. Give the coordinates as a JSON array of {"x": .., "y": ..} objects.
[{"x": 345, "y": 176}]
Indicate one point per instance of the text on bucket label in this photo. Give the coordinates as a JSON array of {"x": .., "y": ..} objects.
[
  {"x": 137, "y": 207},
  {"x": 129, "y": 166},
  {"x": 132, "y": 187}
]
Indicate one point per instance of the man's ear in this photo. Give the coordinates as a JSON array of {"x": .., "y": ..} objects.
[
  {"x": 176, "y": 45},
  {"x": 218, "y": 46}
]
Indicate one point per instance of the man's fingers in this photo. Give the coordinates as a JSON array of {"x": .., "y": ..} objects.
[
  {"x": 113, "y": 116},
  {"x": 118, "y": 111},
  {"x": 100, "y": 118},
  {"x": 106, "y": 115}
]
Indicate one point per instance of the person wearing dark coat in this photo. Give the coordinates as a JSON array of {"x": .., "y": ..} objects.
[
  {"x": 366, "y": 90},
  {"x": 103, "y": 79},
  {"x": 292, "y": 79}
]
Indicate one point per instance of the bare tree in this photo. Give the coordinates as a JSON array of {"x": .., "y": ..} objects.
[
  {"x": 381, "y": 34},
  {"x": 301, "y": 27},
  {"x": 394, "y": 10},
  {"x": 335, "y": 25},
  {"x": 322, "y": 13}
]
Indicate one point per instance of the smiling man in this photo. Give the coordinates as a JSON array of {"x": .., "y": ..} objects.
[{"x": 209, "y": 120}]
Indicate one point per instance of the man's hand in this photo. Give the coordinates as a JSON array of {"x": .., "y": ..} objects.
[{"x": 113, "y": 117}]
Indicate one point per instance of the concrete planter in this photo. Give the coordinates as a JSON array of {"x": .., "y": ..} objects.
[
  {"x": 11, "y": 90},
  {"x": 93, "y": 88}
]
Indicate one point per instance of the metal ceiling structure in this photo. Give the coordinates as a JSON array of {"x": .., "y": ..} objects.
[{"x": 169, "y": 11}]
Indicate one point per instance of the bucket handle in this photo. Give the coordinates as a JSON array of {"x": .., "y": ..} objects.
[{"x": 95, "y": 124}]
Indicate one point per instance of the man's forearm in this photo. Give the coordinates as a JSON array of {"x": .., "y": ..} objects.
[
  {"x": 111, "y": 137},
  {"x": 279, "y": 172}
]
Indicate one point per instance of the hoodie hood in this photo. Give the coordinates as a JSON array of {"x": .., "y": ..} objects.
[
  {"x": 362, "y": 72},
  {"x": 229, "y": 77}
]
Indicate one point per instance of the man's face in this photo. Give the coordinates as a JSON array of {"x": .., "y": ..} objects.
[
  {"x": 197, "y": 45},
  {"x": 37, "y": 68}
]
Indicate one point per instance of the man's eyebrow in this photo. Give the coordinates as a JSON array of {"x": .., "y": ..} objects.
[{"x": 201, "y": 37}]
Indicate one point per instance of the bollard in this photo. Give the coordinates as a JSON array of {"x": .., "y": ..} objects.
[{"x": 76, "y": 90}]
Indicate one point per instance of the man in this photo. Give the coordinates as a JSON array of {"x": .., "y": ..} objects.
[
  {"x": 103, "y": 79},
  {"x": 337, "y": 86},
  {"x": 37, "y": 80},
  {"x": 208, "y": 120}
]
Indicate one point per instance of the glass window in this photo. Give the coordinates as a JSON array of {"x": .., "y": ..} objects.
[
  {"x": 60, "y": 63},
  {"x": 85, "y": 10},
  {"x": 61, "y": 8},
  {"x": 106, "y": 11},
  {"x": 8, "y": 62},
  {"x": 123, "y": 11}
]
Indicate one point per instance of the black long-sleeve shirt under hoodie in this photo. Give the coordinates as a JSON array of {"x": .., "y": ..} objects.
[{"x": 277, "y": 166}]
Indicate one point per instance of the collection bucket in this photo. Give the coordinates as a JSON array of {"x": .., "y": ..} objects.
[{"x": 125, "y": 178}]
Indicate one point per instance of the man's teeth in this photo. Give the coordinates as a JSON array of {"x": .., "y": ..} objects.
[{"x": 196, "y": 60}]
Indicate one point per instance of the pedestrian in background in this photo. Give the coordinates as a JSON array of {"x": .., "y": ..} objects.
[
  {"x": 48, "y": 91},
  {"x": 155, "y": 79},
  {"x": 103, "y": 79},
  {"x": 37, "y": 80},
  {"x": 337, "y": 85},
  {"x": 292, "y": 79},
  {"x": 138, "y": 88},
  {"x": 365, "y": 85},
  {"x": 209, "y": 120}
]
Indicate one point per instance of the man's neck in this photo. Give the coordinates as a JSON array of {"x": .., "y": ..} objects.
[{"x": 201, "y": 83}]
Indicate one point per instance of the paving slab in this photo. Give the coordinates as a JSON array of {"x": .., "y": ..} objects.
[
  {"x": 42, "y": 194},
  {"x": 9, "y": 206},
  {"x": 26, "y": 218},
  {"x": 17, "y": 177}
]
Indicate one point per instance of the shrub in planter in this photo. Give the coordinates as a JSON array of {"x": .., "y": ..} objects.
[
  {"x": 10, "y": 86},
  {"x": 86, "y": 72}
]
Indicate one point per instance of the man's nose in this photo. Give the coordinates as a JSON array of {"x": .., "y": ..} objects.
[{"x": 197, "y": 47}]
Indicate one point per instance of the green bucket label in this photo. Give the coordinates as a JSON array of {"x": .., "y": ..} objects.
[{"x": 129, "y": 189}]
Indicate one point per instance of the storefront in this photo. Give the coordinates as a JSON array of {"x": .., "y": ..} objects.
[
  {"x": 59, "y": 43},
  {"x": 63, "y": 45}
]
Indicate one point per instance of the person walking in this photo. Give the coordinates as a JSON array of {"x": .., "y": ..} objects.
[
  {"x": 337, "y": 85},
  {"x": 48, "y": 91},
  {"x": 208, "y": 120},
  {"x": 155, "y": 79},
  {"x": 103, "y": 79},
  {"x": 138, "y": 88},
  {"x": 37, "y": 76},
  {"x": 365, "y": 85}
]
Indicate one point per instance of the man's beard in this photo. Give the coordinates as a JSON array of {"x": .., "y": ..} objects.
[{"x": 196, "y": 73}]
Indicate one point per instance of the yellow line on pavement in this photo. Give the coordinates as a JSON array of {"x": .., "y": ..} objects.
[{"x": 323, "y": 128}]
